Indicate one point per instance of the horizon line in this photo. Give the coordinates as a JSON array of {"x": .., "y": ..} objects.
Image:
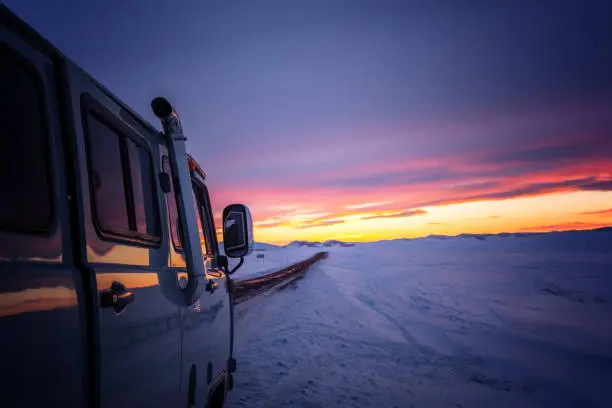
[{"x": 446, "y": 236}]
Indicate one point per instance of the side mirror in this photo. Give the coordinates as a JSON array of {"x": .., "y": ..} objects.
[{"x": 237, "y": 231}]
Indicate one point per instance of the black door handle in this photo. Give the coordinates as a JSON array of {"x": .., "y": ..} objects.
[
  {"x": 211, "y": 286},
  {"x": 116, "y": 297}
]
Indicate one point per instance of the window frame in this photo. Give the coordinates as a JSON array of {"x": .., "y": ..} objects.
[
  {"x": 50, "y": 226},
  {"x": 208, "y": 222},
  {"x": 196, "y": 197},
  {"x": 90, "y": 106},
  {"x": 177, "y": 241}
]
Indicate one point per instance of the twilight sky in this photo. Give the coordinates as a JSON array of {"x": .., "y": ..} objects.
[{"x": 365, "y": 120}]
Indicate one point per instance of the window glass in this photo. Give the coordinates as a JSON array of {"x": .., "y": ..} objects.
[
  {"x": 196, "y": 207},
  {"x": 173, "y": 216},
  {"x": 25, "y": 203},
  {"x": 107, "y": 177},
  {"x": 208, "y": 220},
  {"x": 142, "y": 187}
]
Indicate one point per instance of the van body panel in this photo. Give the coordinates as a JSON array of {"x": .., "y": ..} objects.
[
  {"x": 42, "y": 343},
  {"x": 140, "y": 362}
]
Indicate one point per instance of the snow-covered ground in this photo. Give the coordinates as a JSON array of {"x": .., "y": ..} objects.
[
  {"x": 274, "y": 258},
  {"x": 434, "y": 323}
]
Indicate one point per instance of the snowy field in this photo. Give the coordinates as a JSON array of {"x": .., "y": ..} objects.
[{"x": 434, "y": 323}]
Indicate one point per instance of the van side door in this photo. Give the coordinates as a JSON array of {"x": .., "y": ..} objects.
[{"x": 138, "y": 321}]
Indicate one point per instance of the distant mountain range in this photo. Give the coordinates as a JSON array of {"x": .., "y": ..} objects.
[
  {"x": 600, "y": 238},
  {"x": 485, "y": 237},
  {"x": 315, "y": 244},
  {"x": 480, "y": 237}
]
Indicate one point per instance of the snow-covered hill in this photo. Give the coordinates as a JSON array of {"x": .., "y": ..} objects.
[{"x": 300, "y": 244}]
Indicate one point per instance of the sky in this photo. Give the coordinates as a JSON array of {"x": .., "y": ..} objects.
[{"x": 367, "y": 120}]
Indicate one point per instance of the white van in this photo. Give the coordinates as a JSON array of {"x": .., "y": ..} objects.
[{"x": 113, "y": 292}]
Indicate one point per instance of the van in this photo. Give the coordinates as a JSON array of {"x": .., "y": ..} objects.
[{"x": 113, "y": 292}]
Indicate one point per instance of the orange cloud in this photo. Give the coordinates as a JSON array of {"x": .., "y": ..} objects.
[
  {"x": 572, "y": 225},
  {"x": 597, "y": 212}
]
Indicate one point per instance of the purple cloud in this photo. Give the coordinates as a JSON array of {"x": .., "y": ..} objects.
[{"x": 588, "y": 183}]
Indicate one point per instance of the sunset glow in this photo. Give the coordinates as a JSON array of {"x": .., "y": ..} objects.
[
  {"x": 560, "y": 211},
  {"x": 545, "y": 183},
  {"x": 396, "y": 119}
]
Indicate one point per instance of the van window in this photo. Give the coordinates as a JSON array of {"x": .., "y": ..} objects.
[
  {"x": 107, "y": 177},
  {"x": 26, "y": 203},
  {"x": 173, "y": 216},
  {"x": 121, "y": 180},
  {"x": 143, "y": 184},
  {"x": 209, "y": 220},
  {"x": 198, "y": 210},
  {"x": 205, "y": 218}
]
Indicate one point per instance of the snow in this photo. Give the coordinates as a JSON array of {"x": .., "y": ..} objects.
[
  {"x": 434, "y": 323},
  {"x": 275, "y": 258}
]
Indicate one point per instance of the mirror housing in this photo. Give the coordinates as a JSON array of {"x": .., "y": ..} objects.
[{"x": 237, "y": 231}]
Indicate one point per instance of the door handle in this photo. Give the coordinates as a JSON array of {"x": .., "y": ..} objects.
[
  {"x": 116, "y": 297},
  {"x": 211, "y": 286}
]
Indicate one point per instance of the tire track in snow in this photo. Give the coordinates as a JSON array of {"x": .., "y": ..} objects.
[{"x": 372, "y": 305}]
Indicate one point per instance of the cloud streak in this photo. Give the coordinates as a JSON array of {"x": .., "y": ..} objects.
[
  {"x": 323, "y": 223},
  {"x": 368, "y": 205},
  {"x": 401, "y": 214},
  {"x": 598, "y": 212},
  {"x": 572, "y": 225},
  {"x": 584, "y": 184}
]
